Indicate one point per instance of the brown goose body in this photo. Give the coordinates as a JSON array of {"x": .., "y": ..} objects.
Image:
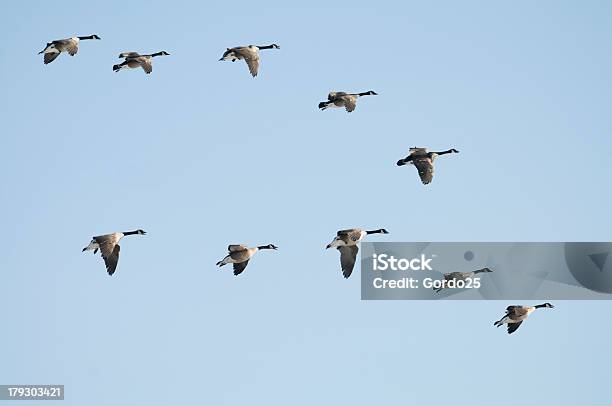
[
  {"x": 134, "y": 60},
  {"x": 69, "y": 45},
  {"x": 424, "y": 162},
  {"x": 343, "y": 99},
  {"x": 108, "y": 244},
  {"x": 239, "y": 256},
  {"x": 346, "y": 241},
  {"x": 249, "y": 54}
]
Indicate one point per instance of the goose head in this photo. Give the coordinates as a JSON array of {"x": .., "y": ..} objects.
[
  {"x": 268, "y": 247},
  {"x": 372, "y": 93},
  {"x": 548, "y": 305},
  {"x": 379, "y": 231},
  {"x": 141, "y": 232},
  {"x": 164, "y": 53}
]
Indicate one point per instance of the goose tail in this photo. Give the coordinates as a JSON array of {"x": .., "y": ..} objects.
[{"x": 500, "y": 322}]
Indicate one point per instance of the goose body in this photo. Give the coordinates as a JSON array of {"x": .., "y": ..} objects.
[
  {"x": 250, "y": 54},
  {"x": 239, "y": 255},
  {"x": 342, "y": 99},
  {"x": 461, "y": 276},
  {"x": 515, "y": 315},
  {"x": 346, "y": 241},
  {"x": 424, "y": 161},
  {"x": 108, "y": 245},
  {"x": 134, "y": 60},
  {"x": 68, "y": 45}
]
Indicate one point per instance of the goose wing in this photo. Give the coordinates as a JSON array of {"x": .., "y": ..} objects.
[
  {"x": 129, "y": 54},
  {"x": 109, "y": 250},
  {"x": 350, "y": 102},
  {"x": 516, "y": 310},
  {"x": 253, "y": 64},
  {"x": 352, "y": 234},
  {"x": 512, "y": 327},
  {"x": 418, "y": 151},
  {"x": 332, "y": 96},
  {"x": 236, "y": 247},
  {"x": 425, "y": 168},
  {"x": 50, "y": 57},
  {"x": 111, "y": 259},
  {"x": 348, "y": 256},
  {"x": 69, "y": 45},
  {"x": 145, "y": 64},
  {"x": 454, "y": 276},
  {"x": 239, "y": 52},
  {"x": 239, "y": 267}
]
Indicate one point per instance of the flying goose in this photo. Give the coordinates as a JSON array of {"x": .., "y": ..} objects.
[
  {"x": 342, "y": 99},
  {"x": 460, "y": 276},
  {"x": 70, "y": 45},
  {"x": 239, "y": 255},
  {"x": 346, "y": 242},
  {"x": 135, "y": 60},
  {"x": 515, "y": 315},
  {"x": 423, "y": 161},
  {"x": 250, "y": 54},
  {"x": 109, "y": 247}
]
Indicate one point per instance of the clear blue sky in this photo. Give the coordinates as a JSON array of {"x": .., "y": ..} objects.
[{"x": 199, "y": 154}]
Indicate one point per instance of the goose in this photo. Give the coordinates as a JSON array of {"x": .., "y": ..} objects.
[
  {"x": 346, "y": 242},
  {"x": 424, "y": 161},
  {"x": 239, "y": 255},
  {"x": 108, "y": 245},
  {"x": 515, "y": 315},
  {"x": 342, "y": 99},
  {"x": 70, "y": 45},
  {"x": 135, "y": 60},
  {"x": 460, "y": 276},
  {"x": 250, "y": 54}
]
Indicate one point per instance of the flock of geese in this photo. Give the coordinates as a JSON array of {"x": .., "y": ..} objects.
[{"x": 239, "y": 255}]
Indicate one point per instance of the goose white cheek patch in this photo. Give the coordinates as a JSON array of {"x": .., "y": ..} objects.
[{"x": 486, "y": 271}]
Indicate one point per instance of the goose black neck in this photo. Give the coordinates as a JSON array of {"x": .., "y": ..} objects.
[
  {"x": 156, "y": 54},
  {"x": 448, "y": 151},
  {"x": 263, "y": 247},
  {"x": 364, "y": 94},
  {"x": 541, "y": 305},
  {"x": 481, "y": 270},
  {"x": 265, "y": 46},
  {"x": 130, "y": 232},
  {"x": 87, "y": 37},
  {"x": 379, "y": 231}
]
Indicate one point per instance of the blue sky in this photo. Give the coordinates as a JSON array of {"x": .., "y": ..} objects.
[{"x": 200, "y": 155}]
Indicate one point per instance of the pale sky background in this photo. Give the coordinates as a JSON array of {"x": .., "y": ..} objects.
[{"x": 200, "y": 155}]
